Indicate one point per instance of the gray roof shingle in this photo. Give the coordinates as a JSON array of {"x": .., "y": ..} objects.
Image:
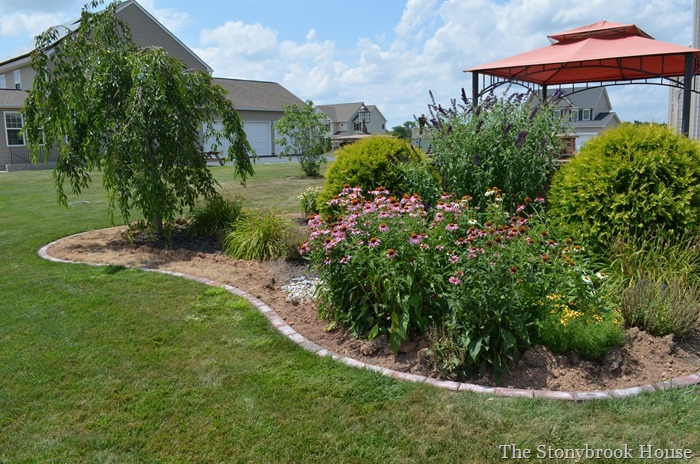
[{"x": 257, "y": 95}]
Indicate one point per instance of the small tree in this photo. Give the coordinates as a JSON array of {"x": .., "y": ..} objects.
[
  {"x": 404, "y": 131},
  {"x": 135, "y": 114},
  {"x": 302, "y": 131}
]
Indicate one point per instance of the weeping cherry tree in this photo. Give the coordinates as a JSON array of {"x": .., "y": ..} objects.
[{"x": 136, "y": 114}]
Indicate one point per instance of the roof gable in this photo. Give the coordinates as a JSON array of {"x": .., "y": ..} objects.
[
  {"x": 344, "y": 112},
  {"x": 136, "y": 17}
]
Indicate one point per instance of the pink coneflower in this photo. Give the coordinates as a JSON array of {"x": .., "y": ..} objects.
[
  {"x": 374, "y": 242},
  {"x": 415, "y": 239},
  {"x": 345, "y": 259},
  {"x": 390, "y": 253},
  {"x": 520, "y": 209},
  {"x": 304, "y": 248},
  {"x": 539, "y": 200},
  {"x": 327, "y": 261},
  {"x": 439, "y": 247},
  {"x": 454, "y": 280},
  {"x": 454, "y": 259},
  {"x": 451, "y": 226},
  {"x": 383, "y": 227},
  {"x": 424, "y": 246},
  {"x": 439, "y": 217}
]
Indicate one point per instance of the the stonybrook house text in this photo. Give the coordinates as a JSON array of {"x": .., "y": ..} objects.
[{"x": 511, "y": 451}]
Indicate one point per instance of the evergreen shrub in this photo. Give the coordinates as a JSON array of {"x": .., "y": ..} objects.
[
  {"x": 369, "y": 163},
  {"x": 629, "y": 180}
]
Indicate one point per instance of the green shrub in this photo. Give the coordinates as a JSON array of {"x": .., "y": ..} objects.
[
  {"x": 368, "y": 163},
  {"x": 479, "y": 277},
  {"x": 308, "y": 200},
  {"x": 421, "y": 178},
  {"x": 504, "y": 141},
  {"x": 567, "y": 330},
  {"x": 661, "y": 307},
  {"x": 627, "y": 181},
  {"x": 259, "y": 236},
  {"x": 655, "y": 280},
  {"x": 215, "y": 216}
]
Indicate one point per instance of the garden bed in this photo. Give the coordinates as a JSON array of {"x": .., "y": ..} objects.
[{"x": 645, "y": 359}]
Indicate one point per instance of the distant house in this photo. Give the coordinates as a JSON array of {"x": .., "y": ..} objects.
[
  {"x": 259, "y": 103},
  {"x": 588, "y": 112},
  {"x": 342, "y": 121}
]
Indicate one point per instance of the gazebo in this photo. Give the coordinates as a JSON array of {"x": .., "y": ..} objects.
[{"x": 604, "y": 53}]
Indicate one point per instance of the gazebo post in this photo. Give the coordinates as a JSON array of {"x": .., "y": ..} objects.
[
  {"x": 687, "y": 89},
  {"x": 475, "y": 89},
  {"x": 544, "y": 93}
]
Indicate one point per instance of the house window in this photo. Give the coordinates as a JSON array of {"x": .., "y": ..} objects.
[
  {"x": 2, "y": 81},
  {"x": 557, "y": 114},
  {"x": 13, "y": 124},
  {"x": 357, "y": 126},
  {"x": 18, "y": 79},
  {"x": 574, "y": 115},
  {"x": 328, "y": 127},
  {"x": 586, "y": 114}
]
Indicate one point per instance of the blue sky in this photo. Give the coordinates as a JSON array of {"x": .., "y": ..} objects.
[{"x": 390, "y": 53}]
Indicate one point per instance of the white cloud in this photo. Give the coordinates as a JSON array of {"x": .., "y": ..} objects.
[
  {"x": 173, "y": 20},
  {"x": 433, "y": 42},
  {"x": 26, "y": 24}
]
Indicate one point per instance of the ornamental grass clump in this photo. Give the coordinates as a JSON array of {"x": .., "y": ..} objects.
[
  {"x": 476, "y": 278},
  {"x": 258, "y": 236}
]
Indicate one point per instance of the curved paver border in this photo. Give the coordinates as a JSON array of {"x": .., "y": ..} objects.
[{"x": 286, "y": 330}]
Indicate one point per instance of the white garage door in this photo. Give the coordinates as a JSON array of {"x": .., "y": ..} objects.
[{"x": 258, "y": 134}]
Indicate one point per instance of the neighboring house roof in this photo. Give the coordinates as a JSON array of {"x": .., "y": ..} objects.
[
  {"x": 344, "y": 112},
  {"x": 587, "y": 98},
  {"x": 26, "y": 50},
  {"x": 257, "y": 95},
  {"x": 12, "y": 98},
  {"x": 601, "y": 120}
]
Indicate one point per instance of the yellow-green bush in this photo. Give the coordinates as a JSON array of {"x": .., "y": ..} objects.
[
  {"x": 370, "y": 163},
  {"x": 628, "y": 181}
]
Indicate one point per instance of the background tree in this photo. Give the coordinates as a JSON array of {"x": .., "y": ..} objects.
[
  {"x": 404, "y": 131},
  {"x": 136, "y": 114},
  {"x": 303, "y": 132}
]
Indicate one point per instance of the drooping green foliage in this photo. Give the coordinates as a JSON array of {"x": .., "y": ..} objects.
[
  {"x": 628, "y": 181},
  {"x": 134, "y": 113},
  {"x": 369, "y": 163},
  {"x": 303, "y": 133},
  {"x": 510, "y": 142}
]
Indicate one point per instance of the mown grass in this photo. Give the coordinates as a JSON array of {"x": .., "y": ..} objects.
[{"x": 104, "y": 364}]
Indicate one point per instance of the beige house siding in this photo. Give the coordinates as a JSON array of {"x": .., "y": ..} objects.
[{"x": 144, "y": 34}]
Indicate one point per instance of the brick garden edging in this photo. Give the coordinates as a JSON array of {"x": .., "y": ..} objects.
[{"x": 286, "y": 330}]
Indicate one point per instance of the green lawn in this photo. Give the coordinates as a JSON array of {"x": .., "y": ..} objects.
[{"x": 105, "y": 365}]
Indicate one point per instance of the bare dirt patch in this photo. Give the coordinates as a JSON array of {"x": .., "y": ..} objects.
[{"x": 645, "y": 359}]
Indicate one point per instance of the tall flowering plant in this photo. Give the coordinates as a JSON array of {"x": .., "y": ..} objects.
[{"x": 478, "y": 276}]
